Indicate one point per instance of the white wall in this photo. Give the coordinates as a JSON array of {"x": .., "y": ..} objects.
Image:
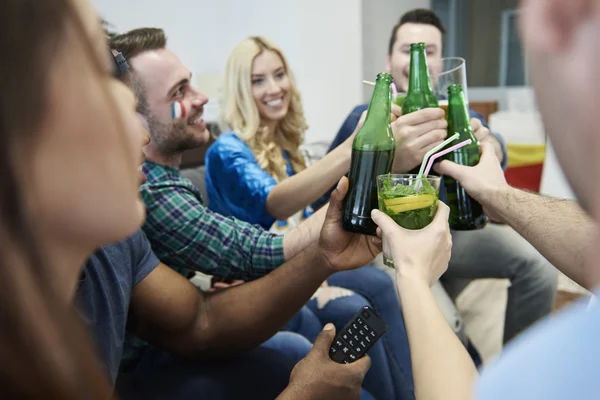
[
  {"x": 322, "y": 40},
  {"x": 378, "y": 19}
]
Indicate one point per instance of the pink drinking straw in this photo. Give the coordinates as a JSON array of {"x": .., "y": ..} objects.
[
  {"x": 441, "y": 153},
  {"x": 394, "y": 90}
]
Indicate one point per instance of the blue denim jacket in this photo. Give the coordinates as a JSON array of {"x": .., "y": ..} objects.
[{"x": 351, "y": 122}]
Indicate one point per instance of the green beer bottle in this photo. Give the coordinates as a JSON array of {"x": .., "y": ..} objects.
[
  {"x": 465, "y": 213},
  {"x": 420, "y": 95},
  {"x": 372, "y": 155}
]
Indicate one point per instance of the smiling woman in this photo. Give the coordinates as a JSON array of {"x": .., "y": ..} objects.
[{"x": 255, "y": 171}]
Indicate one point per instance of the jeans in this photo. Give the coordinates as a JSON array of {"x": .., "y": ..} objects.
[
  {"x": 261, "y": 374},
  {"x": 497, "y": 251},
  {"x": 390, "y": 375}
]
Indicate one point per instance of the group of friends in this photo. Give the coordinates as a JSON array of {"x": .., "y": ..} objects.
[{"x": 100, "y": 230}]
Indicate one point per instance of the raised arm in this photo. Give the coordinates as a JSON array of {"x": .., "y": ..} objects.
[
  {"x": 559, "y": 229},
  {"x": 187, "y": 235},
  {"x": 442, "y": 368},
  {"x": 238, "y": 186},
  {"x": 168, "y": 311},
  {"x": 303, "y": 188}
]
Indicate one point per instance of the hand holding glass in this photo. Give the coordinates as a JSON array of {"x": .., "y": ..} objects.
[{"x": 409, "y": 207}]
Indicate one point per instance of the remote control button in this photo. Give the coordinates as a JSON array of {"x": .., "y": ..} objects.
[
  {"x": 362, "y": 343},
  {"x": 366, "y": 314},
  {"x": 368, "y": 339},
  {"x": 360, "y": 321},
  {"x": 355, "y": 326},
  {"x": 356, "y": 337},
  {"x": 359, "y": 350},
  {"x": 352, "y": 343},
  {"x": 338, "y": 357},
  {"x": 352, "y": 357},
  {"x": 366, "y": 327},
  {"x": 332, "y": 350},
  {"x": 345, "y": 350},
  {"x": 345, "y": 336},
  {"x": 373, "y": 334},
  {"x": 339, "y": 343},
  {"x": 350, "y": 331},
  {"x": 346, "y": 362},
  {"x": 361, "y": 332}
]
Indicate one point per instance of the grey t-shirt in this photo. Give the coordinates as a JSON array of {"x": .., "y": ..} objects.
[{"x": 104, "y": 294}]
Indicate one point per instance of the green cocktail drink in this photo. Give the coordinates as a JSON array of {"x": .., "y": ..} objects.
[{"x": 409, "y": 207}]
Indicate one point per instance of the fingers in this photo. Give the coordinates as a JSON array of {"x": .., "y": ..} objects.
[
  {"x": 377, "y": 240},
  {"x": 430, "y": 140},
  {"x": 422, "y": 116},
  {"x": 443, "y": 213},
  {"x": 396, "y": 110},
  {"x": 383, "y": 221},
  {"x": 362, "y": 365},
  {"x": 324, "y": 340},
  {"x": 427, "y": 127},
  {"x": 475, "y": 124}
]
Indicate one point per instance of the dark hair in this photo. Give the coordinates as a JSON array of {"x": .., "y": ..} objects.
[
  {"x": 44, "y": 349},
  {"x": 132, "y": 43},
  {"x": 416, "y": 16},
  {"x": 136, "y": 41}
]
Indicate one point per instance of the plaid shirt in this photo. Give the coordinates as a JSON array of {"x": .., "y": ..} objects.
[{"x": 184, "y": 234}]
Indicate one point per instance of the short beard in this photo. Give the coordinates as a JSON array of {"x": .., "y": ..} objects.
[{"x": 170, "y": 139}]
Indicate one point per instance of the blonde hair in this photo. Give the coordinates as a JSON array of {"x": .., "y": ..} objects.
[{"x": 240, "y": 114}]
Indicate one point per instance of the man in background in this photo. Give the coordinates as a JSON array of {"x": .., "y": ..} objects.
[{"x": 493, "y": 252}]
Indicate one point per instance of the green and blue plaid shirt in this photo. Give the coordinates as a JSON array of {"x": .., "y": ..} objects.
[{"x": 185, "y": 235}]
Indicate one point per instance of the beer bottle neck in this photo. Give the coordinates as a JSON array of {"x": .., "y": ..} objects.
[
  {"x": 376, "y": 132},
  {"x": 458, "y": 116},
  {"x": 419, "y": 73},
  {"x": 380, "y": 106}
]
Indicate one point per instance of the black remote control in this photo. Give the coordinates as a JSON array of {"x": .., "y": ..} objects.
[{"x": 357, "y": 337}]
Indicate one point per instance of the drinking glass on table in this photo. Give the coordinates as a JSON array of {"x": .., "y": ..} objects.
[{"x": 410, "y": 202}]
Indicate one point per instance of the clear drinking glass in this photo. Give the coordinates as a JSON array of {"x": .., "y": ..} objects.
[
  {"x": 409, "y": 207},
  {"x": 450, "y": 71}
]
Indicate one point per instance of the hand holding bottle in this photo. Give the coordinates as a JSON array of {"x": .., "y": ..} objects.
[
  {"x": 485, "y": 182},
  {"x": 417, "y": 133},
  {"x": 483, "y": 135}
]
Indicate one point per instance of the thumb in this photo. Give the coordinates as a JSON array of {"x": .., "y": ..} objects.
[
  {"x": 337, "y": 199},
  {"x": 324, "y": 339},
  {"x": 383, "y": 221},
  {"x": 487, "y": 152},
  {"x": 452, "y": 169},
  {"x": 443, "y": 213}
]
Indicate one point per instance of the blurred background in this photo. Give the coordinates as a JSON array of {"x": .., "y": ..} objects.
[{"x": 332, "y": 45}]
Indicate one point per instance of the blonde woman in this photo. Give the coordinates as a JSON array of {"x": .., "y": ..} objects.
[
  {"x": 255, "y": 172},
  {"x": 263, "y": 109}
]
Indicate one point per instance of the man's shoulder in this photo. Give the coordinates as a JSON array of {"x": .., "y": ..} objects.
[
  {"x": 166, "y": 182},
  {"x": 561, "y": 351},
  {"x": 117, "y": 253}
]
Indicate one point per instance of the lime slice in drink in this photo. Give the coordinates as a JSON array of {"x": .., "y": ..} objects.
[{"x": 402, "y": 204}]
